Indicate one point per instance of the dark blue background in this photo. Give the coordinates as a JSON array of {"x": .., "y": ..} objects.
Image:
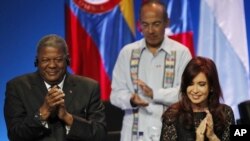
[{"x": 24, "y": 22}]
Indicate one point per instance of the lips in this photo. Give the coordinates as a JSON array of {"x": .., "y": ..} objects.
[
  {"x": 151, "y": 37},
  {"x": 52, "y": 73},
  {"x": 196, "y": 96}
]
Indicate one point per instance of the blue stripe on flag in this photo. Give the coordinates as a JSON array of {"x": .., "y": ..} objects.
[{"x": 214, "y": 43}]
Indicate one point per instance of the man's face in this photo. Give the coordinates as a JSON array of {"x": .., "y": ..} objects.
[
  {"x": 52, "y": 64},
  {"x": 153, "y": 25}
]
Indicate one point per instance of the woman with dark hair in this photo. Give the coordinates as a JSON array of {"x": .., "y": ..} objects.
[{"x": 198, "y": 115}]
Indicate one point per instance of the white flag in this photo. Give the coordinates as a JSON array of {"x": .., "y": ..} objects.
[{"x": 222, "y": 37}]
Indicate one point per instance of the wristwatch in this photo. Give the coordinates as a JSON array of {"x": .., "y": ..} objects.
[{"x": 38, "y": 116}]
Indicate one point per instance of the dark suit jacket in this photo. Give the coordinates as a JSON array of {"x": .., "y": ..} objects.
[{"x": 24, "y": 96}]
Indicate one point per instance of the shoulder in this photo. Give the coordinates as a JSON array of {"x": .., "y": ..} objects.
[
  {"x": 23, "y": 78},
  {"x": 25, "y": 81},
  {"x": 182, "y": 52},
  {"x": 226, "y": 108},
  {"x": 174, "y": 45},
  {"x": 82, "y": 84},
  {"x": 126, "y": 52},
  {"x": 134, "y": 45},
  {"x": 170, "y": 115},
  {"x": 81, "y": 79},
  {"x": 227, "y": 111}
]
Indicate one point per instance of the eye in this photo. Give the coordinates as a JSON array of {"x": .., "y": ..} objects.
[
  {"x": 45, "y": 60},
  {"x": 59, "y": 60},
  {"x": 144, "y": 25},
  {"x": 202, "y": 83},
  {"x": 157, "y": 24}
]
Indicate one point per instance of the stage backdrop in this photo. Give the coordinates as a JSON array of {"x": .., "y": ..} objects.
[
  {"x": 23, "y": 23},
  {"x": 97, "y": 31}
]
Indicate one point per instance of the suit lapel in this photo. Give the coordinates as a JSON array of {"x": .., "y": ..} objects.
[
  {"x": 69, "y": 89},
  {"x": 38, "y": 89}
]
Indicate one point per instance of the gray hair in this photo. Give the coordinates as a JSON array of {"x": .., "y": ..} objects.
[{"x": 53, "y": 40}]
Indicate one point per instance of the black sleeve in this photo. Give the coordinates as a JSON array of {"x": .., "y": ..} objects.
[
  {"x": 92, "y": 125},
  {"x": 20, "y": 125}
]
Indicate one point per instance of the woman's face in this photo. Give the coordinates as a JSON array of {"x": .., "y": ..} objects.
[{"x": 198, "y": 91}]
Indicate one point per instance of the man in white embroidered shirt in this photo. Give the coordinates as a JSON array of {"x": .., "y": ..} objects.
[
  {"x": 51, "y": 104},
  {"x": 147, "y": 75}
]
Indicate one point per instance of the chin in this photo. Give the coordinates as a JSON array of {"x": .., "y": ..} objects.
[
  {"x": 52, "y": 79},
  {"x": 154, "y": 44},
  {"x": 196, "y": 102}
]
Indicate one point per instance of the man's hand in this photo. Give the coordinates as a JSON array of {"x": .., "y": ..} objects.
[
  {"x": 137, "y": 101},
  {"x": 64, "y": 115},
  {"x": 53, "y": 99},
  {"x": 147, "y": 91}
]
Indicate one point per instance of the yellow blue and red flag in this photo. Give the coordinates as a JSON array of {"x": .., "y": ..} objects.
[{"x": 96, "y": 30}]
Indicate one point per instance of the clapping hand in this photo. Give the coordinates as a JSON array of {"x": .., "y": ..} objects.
[
  {"x": 200, "y": 131},
  {"x": 147, "y": 91},
  {"x": 52, "y": 100},
  {"x": 206, "y": 127},
  {"x": 137, "y": 101}
]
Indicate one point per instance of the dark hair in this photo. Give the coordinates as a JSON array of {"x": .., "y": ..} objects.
[
  {"x": 158, "y": 2},
  {"x": 183, "y": 109},
  {"x": 206, "y": 66}
]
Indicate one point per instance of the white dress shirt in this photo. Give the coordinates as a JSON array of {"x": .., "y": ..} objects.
[{"x": 151, "y": 71}]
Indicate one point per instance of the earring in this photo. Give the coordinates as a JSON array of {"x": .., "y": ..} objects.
[{"x": 211, "y": 90}]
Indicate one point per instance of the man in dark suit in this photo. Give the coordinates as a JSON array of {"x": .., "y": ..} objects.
[{"x": 52, "y": 104}]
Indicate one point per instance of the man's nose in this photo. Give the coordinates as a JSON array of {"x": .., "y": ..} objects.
[{"x": 52, "y": 63}]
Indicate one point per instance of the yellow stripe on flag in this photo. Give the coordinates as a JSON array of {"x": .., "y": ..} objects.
[{"x": 127, "y": 8}]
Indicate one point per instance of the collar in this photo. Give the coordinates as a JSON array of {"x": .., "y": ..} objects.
[
  {"x": 60, "y": 84},
  {"x": 165, "y": 46}
]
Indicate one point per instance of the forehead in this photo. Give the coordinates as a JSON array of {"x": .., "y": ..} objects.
[
  {"x": 151, "y": 12},
  {"x": 200, "y": 77},
  {"x": 50, "y": 51}
]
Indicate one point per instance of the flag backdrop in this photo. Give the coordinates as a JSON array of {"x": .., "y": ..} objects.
[
  {"x": 97, "y": 30},
  {"x": 222, "y": 37}
]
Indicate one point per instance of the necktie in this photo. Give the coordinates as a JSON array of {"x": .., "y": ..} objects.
[{"x": 52, "y": 86}]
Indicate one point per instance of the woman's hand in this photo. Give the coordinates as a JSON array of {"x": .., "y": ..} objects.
[
  {"x": 210, "y": 127},
  {"x": 200, "y": 131},
  {"x": 206, "y": 127}
]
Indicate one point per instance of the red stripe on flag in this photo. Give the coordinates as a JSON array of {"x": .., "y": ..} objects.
[
  {"x": 85, "y": 58},
  {"x": 186, "y": 39}
]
